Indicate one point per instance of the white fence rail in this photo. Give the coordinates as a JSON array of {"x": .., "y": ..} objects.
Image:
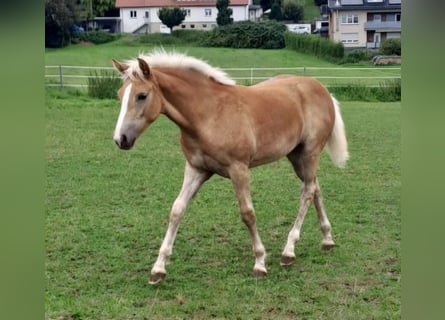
[{"x": 77, "y": 76}]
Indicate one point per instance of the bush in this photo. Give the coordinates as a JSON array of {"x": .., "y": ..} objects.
[
  {"x": 316, "y": 45},
  {"x": 177, "y": 37},
  {"x": 355, "y": 56},
  {"x": 293, "y": 10},
  {"x": 191, "y": 36},
  {"x": 103, "y": 84},
  {"x": 391, "y": 47},
  {"x": 390, "y": 90},
  {"x": 387, "y": 91},
  {"x": 247, "y": 34},
  {"x": 96, "y": 37}
]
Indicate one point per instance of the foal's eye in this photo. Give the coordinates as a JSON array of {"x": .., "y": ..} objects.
[{"x": 141, "y": 97}]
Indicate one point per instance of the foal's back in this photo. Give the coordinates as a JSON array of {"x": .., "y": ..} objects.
[{"x": 286, "y": 111}]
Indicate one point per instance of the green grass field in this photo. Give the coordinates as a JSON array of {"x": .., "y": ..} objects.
[{"x": 107, "y": 211}]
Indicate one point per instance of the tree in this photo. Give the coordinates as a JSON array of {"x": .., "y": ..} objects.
[
  {"x": 293, "y": 10},
  {"x": 60, "y": 15},
  {"x": 100, "y": 7},
  {"x": 275, "y": 11},
  {"x": 171, "y": 17},
  {"x": 320, "y": 2},
  {"x": 224, "y": 12},
  {"x": 265, "y": 4},
  {"x": 96, "y": 8}
]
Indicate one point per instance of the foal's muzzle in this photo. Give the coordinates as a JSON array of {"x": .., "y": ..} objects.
[{"x": 124, "y": 142}]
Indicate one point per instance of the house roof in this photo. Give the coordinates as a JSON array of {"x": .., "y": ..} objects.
[
  {"x": 368, "y": 5},
  {"x": 174, "y": 3}
]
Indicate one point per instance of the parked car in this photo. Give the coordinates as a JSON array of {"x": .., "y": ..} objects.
[
  {"x": 300, "y": 28},
  {"x": 75, "y": 28},
  {"x": 323, "y": 31}
]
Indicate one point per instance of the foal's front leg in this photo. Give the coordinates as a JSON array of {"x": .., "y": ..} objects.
[
  {"x": 193, "y": 179},
  {"x": 241, "y": 182}
]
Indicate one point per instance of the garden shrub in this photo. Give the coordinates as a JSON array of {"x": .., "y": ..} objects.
[
  {"x": 391, "y": 47},
  {"x": 177, "y": 37},
  {"x": 103, "y": 84},
  {"x": 96, "y": 37},
  {"x": 247, "y": 34},
  {"x": 387, "y": 91},
  {"x": 355, "y": 56}
]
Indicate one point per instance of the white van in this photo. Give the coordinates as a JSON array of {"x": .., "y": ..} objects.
[{"x": 299, "y": 28}]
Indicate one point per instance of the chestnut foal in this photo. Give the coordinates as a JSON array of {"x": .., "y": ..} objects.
[{"x": 227, "y": 129}]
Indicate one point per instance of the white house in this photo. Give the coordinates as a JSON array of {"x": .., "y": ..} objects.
[{"x": 141, "y": 16}]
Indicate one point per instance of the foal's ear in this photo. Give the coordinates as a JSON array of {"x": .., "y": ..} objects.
[
  {"x": 143, "y": 65},
  {"x": 121, "y": 67}
]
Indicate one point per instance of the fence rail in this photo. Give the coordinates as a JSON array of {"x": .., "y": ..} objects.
[{"x": 77, "y": 76}]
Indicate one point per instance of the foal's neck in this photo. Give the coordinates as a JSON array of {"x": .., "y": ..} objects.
[{"x": 182, "y": 91}]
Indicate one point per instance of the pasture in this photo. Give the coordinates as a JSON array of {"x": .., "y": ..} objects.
[{"x": 107, "y": 211}]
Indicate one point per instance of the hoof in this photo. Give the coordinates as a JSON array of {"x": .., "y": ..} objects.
[
  {"x": 156, "y": 278},
  {"x": 327, "y": 246},
  {"x": 286, "y": 261},
  {"x": 259, "y": 274}
]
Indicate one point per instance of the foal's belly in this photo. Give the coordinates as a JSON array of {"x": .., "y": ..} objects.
[{"x": 271, "y": 153}]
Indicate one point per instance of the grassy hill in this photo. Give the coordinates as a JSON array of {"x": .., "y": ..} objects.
[{"x": 311, "y": 11}]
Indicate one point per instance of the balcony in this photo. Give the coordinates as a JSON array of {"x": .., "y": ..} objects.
[{"x": 380, "y": 26}]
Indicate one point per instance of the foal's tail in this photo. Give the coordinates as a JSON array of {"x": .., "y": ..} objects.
[{"x": 337, "y": 146}]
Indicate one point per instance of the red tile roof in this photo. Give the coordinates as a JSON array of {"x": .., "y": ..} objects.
[{"x": 174, "y": 3}]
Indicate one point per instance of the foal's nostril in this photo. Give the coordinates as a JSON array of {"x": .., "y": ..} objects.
[{"x": 124, "y": 140}]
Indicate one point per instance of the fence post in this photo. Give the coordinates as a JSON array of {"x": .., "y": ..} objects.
[
  {"x": 60, "y": 76},
  {"x": 251, "y": 76},
  {"x": 304, "y": 71}
]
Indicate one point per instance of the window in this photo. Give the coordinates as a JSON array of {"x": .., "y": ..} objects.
[
  {"x": 208, "y": 12},
  {"x": 349, "y": 19},
  {"x": 147, "y": 14},
  {"x": 351, "y": 2},
  {"x": 349, "y": 37},
  {"x": 204, "y": 26},
  {"x": 133, "y": 13},
  {"x": 187, "y": 12},
  {"x": 390, "y": 17},
  {"x": 377, "y": 17}
]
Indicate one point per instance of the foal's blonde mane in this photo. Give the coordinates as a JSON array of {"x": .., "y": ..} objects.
[{"x": 160, "y": 58}]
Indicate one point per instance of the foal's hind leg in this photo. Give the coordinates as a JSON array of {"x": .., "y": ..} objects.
[
  {"x": 193, "y": 179},
  {"x": 327, "y": 242},
  {"x": 305, "y": 166},
  {"x": 306, "y": 198}
]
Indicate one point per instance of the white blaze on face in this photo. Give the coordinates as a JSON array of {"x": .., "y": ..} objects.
[{"x": 123, "y": 112}]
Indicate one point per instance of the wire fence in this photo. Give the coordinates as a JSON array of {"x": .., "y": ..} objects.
[{"x": 77, "y": 76}]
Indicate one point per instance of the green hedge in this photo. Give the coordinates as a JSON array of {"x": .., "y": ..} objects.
[
  {"x": 177, "y": 37},
  {"x": 316, "y": 45},
  {"x": 96, "y": 37},
  {"x": 247, "y": 34}
]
